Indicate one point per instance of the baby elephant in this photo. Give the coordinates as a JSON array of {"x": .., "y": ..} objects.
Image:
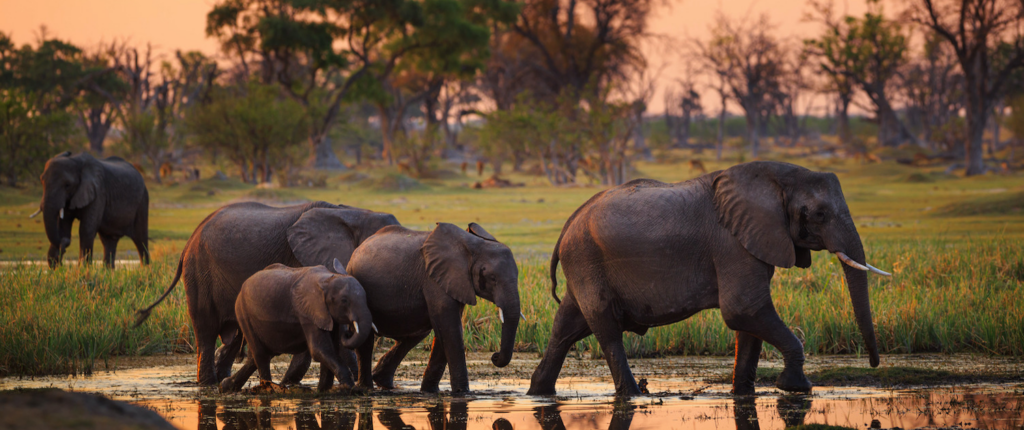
[{"x": 286, "y": 310}]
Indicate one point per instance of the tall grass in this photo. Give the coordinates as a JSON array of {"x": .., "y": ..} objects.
[
  {"x": 945, "y": 296},
  {"x": 64, "y": 320}
]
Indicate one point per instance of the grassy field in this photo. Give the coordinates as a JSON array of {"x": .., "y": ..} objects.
[{"x": 954, "y": 244}]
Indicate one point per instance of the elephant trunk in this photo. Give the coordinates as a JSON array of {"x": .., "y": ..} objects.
[
  {"x": 857, "y": 281},
  {"x": 361, "y": 326},
  {"x": 53, "y": 208},
  {"x": 510, "y": 313}
]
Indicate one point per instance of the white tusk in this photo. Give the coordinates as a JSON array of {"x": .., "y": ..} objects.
[
  {"x": 35, "y": 213},
  {"x": 524, "y": 316},
  {"x": 61, "y": 213},
  {"x": 877, "y": 271},
  {"x": 501, "y": 316},
  {"x": 356, "y": 325},
  {"x": 849, "y": 262},
  {"x": 374, "y": 327}
]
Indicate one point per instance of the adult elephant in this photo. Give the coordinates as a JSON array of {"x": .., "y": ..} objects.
[
  {"x": 241, "y": 239},
  {"x": 418, "y": 281},
  {"x": 647, "y": 253},
  {"x": 108, "y": 197}
]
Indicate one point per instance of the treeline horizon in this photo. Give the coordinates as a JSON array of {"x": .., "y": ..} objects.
[{"x": 560, "y": 84}]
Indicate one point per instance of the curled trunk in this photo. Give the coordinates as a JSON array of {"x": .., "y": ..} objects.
[
  {"x": 353, "y": 340},
  {"x": 509, "y": 327}
]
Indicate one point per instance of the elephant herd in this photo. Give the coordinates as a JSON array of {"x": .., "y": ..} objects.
[{"x": 321, "y": 281}]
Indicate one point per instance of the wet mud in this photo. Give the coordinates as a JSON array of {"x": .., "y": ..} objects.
[{"x": 687, "y": 394}]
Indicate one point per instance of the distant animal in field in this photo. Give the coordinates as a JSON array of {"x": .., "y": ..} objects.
[
  {"x": 420, "y": 281},
  {"x": 241, "y": 239},
  {"x": 463, "y": 167},
  {"x": 697, "y": 166},
  {"x": 921, "y": 159},
  {"x": 646, "y": 254},
  {"x": 404, "y": 168},
  {"x": 108, "y": 197},
  {"x": 286, "y": 310},
  {"x": 479, "y": 168},
  {"x": 166, "y": 169}
]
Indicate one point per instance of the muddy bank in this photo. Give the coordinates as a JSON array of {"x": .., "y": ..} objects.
[
  {"x": 51, "y": 408},
  {"x": 686, "y": 396}
]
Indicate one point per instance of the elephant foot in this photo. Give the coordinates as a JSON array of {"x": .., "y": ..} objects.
[
  {"x": 745, "y": 389},
  {"x": 793, "y": 380},
  {"x": 267, "y": 387},
  {"x": 432, "y": 389},
  {"x": 359, "y": 390},
  {"x": 384, "y": 382},
  {"x": 228, "y": 386},
  {"x": 538, "y": 391}
]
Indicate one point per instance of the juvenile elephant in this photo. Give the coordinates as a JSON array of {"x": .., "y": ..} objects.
[
  {"x": 285, "y": 310},
  {"x": 108, "y": 197},
  {"x": 418, "y": 281},
  {"x": 241, "y": 239},
  {"x": 647, "y": 253}
]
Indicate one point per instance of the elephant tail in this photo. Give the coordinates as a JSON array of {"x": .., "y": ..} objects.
[
  {"x": 141, "y": 315},
  {"x": 554, "y": 271}
]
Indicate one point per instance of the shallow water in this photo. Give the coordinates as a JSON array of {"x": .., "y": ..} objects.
[{"x": 680, "y": 403}]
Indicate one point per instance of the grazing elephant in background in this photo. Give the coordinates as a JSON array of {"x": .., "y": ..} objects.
[
  {"x": 108, "y": 197},
  {"x": 647, "y": 253},
  {"x": 241, "y": 239},
  {"x": 284, "y": 310},
  {"x": 418, "y": 281}
]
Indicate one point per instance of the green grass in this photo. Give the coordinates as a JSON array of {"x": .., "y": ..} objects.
[{"x": 958, "y": 283}]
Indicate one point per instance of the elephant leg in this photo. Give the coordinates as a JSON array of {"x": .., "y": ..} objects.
[
  {"x": 206, "y": 343},
  {"x": 365, "y": 356},
  {"x": 86, "y": 237},
  {"x": 143, "y": 248},
  {"x": 568, "y": 328},
  {"x": 384, "y": 371},
  {"x": 323, "y": 350},
  {"x": 231, "y": 338},
  {"x": 447, "y": 323},
  {"x": 767, "y": 326},
  {"x": 140, "y": 235},
  {"x": 297, "y": 369},
  {"x": 748, "y": 351},
  {"x": 435, "y": 367},
  {"x": 109, "y": 249},
  {"x": 609, "y": 336},
  {"x": 236, "y": 381}
]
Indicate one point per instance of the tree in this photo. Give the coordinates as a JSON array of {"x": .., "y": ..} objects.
[
  {"x": 934, "y": 92},
  {"x": 749, "y": 59},
  {"x": 254, "y": 125},
  {"x": 158, "y": 101},
  {"x": 101, "y": 97},
  {"x": 37, "y": 86},
  {"x": 868, "y": 52},
  {"x": 986, "y": 36},
  {"x": 319, "y": 51}
]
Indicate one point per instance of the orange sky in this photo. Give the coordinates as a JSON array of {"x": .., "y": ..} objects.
[{"x": 179, "y": 24}]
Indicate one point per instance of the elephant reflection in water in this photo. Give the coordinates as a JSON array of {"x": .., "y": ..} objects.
[
  {"x": 792, "y": 410},
  {"x": 238, "y": 415}
]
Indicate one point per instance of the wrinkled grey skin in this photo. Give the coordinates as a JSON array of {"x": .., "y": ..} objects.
[
  {"x": 241, "y": 239},
  {"x": 648, "y": 253},
  {"x": 108, "y": 197},
  {"x": 284, "y": 310},
  {"x": 418, "y": 281}
]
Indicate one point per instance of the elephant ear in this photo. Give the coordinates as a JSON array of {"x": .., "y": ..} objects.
[
  {"x": 449, "y": 262},
  {"x": 309, "y": 302},
  {"x": 751, "y": 206},
  {"x": 321, "y": 235},
  {"x": 88, "y": 184},
  {"x": 480, "y": 232}
]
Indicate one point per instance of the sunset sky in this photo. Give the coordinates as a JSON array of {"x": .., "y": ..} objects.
[{"x": 179, "y": 24}]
